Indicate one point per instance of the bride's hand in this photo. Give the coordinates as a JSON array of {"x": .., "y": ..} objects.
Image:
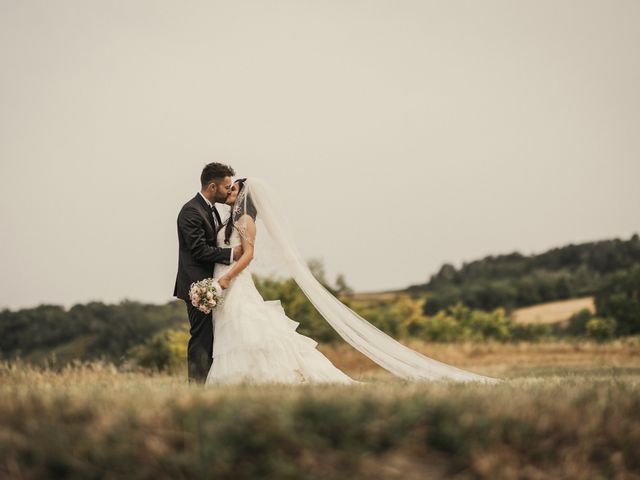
[{"x": 224, "y": 282}]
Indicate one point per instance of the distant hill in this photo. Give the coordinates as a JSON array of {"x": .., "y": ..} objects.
[{"x": 515, "y": 280}]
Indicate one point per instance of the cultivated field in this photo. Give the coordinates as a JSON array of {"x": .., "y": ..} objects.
[
  {"x": 565, "y": 411},
  {"x": 553, "y": 312}
]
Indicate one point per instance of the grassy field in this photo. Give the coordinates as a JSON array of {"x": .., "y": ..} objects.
[
  {"x": 503, "y": 359},
  {"x": 565, "y": 411}
]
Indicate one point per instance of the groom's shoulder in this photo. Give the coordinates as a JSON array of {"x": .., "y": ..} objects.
[{"x": 192, "y": 204}]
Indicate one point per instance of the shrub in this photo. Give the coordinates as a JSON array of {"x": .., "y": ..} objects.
[
  {"x": 441, "y": 328},
  {"x": 531, "y": 332},
  {"x": 601, "y": 328},
  {"x": 495, "y": 325},
  {"x": 166, "y": 350},
  {"x": 459, "y": 323},
  {"x": 577, "y": 324}
]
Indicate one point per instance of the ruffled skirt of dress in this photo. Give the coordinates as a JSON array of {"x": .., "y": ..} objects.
[{"x": 255, "y": 342}]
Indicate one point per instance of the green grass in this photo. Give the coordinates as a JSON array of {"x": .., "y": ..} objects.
[{"x": 93, "y": 421}]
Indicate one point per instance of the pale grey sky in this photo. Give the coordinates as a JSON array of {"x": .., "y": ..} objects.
[{"x": 399, "y": 134}]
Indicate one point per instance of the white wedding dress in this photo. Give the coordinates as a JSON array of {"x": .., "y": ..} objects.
[{"x": 255, "y": 342}]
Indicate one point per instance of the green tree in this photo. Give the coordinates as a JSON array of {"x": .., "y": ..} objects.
[
  {"x": 619, "y": 298},
  {"x": 341, "y": 286}
]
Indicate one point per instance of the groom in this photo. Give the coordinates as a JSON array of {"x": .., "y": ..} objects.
[{"x": 198, "y": 224}]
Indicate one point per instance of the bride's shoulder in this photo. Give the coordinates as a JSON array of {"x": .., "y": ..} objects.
[{"x": 246, "y": 227}]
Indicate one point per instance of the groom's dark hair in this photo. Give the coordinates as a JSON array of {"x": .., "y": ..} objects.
[{"x": 215, "y": 171}]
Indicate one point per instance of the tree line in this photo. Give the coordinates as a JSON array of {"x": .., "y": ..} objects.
[
  {"x": 156, "y": 335},
  {"x": 515, "y": 280}
]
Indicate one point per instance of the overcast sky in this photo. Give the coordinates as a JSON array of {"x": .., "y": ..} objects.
[{"x": 399, "y": 134}]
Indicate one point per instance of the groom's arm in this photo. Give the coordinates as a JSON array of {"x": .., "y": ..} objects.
[{"x": 190, "y": 223}]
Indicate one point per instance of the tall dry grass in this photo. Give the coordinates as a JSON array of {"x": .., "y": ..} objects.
[{"x": 566, "y": 411}]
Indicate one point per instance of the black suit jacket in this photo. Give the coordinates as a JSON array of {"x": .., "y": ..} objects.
[{"x": 198, "y": 249}]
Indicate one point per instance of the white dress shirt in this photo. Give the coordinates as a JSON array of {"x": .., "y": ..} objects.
[{"x": 215, "y": 221}]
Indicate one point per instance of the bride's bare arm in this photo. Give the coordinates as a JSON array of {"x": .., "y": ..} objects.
[{"x": 247, "y": 227}]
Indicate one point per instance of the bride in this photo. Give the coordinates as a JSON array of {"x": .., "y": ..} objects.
[{"x": 255, "y": 341}]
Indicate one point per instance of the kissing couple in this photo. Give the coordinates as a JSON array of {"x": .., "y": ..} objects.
[{"x": 246, "y": 339}]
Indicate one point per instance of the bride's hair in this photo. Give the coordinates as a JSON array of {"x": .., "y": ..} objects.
[{"x": 250, "y": 209}]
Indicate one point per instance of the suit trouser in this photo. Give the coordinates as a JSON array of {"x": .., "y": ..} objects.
[{"x": 200, "y": 350}]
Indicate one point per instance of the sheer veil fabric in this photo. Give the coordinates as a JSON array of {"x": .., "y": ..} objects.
[{"x": 257, "y": 200}]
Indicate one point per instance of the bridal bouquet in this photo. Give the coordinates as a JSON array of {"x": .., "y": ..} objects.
[{"x": 205, "y": 294}]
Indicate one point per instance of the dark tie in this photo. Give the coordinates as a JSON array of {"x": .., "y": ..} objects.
[{"x": 215, "y": 219}]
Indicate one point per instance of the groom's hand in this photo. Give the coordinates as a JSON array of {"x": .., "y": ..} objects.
[{"x": 237, "y": 253}]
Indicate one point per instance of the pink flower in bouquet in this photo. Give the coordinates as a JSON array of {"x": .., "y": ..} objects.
[{"x": 205, "y": 295}]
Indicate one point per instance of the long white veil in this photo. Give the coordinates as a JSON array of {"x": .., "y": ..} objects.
[{"x": 257, "y": 198}]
